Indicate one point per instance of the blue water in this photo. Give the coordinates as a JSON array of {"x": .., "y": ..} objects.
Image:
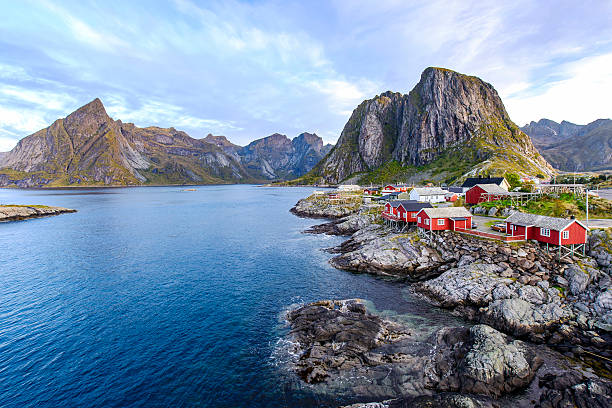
[{"x": 155, "y": 297}]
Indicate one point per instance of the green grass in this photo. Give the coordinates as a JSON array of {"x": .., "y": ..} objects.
[{"x": 562, "y": 205}]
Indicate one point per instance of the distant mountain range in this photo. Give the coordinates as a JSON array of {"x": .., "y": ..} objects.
[
  {"x": 572, "y": 147},
  {"x": 89, "y": 148},
  {"x": 449, "y": 126}
]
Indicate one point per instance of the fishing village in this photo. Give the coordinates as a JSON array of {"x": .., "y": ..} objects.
[{"x": 528, "y": 265}]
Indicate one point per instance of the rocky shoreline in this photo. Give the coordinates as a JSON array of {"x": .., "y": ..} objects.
[
  {"x": 512, "y": 292},
  {"x": 24, "y": 212}
]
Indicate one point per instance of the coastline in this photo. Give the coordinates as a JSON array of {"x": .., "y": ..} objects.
[
  {"x": 563, "y": 308},
  {"x": 25, "y": 212}
]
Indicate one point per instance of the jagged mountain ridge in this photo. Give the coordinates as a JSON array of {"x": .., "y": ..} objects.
[
  {"x": 572, "y": 147},
  {"x": 447, "y": 114},
  {"x": 90, "y": 148}
]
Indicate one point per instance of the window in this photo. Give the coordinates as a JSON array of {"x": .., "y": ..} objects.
[
  {"x": 427, "y": 221},
  {"x": 565, "y": 234},
  {"x": 440, "y": 221},
  {"x": 545, "y": 232},
  {"x": 419, "y": 219}
]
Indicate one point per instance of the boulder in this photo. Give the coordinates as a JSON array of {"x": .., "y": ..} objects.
[
  {"x": 524, "y": 319},
  {"x": 495, "y": 364}
]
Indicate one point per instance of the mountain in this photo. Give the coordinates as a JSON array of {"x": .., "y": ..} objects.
[
  {"x": 278, "y": 157},
  {"x": 90, "y": 148},
  {"x": 449, "y": 126},
  {"x": 572, "y": 147}
]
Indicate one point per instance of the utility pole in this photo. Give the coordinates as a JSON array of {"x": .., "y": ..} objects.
[{"x": 587, "y": 208}]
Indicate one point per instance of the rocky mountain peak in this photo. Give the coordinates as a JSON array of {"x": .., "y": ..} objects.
[
  {"x": 445, "y": 110},
  {"x": 220, "y": 141},
  {"x": 88, "y": 118}
]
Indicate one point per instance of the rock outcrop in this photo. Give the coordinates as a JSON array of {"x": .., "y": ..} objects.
[
  {"x": 351, "y": 353},
  {"x": 24, "y": 212},
  {"x": 449, "y": 117}
]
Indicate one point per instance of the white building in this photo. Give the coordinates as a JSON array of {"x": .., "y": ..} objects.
[
  {"x": 428, "y": 194},
  {"x": 348, "y": 187}
]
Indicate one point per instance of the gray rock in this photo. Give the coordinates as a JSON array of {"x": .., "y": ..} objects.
[
  {"x": 532, "y": 294},
  {"x": 577, "y": 279},
  {"x": 523, "y": 319}
]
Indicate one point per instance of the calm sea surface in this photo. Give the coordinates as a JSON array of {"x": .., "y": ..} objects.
[{"x": 155, "y": 297}]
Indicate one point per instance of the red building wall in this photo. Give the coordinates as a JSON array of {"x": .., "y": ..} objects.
[
  {"x": 577, "y": 234},
  {"x": 472, "y": 196}
]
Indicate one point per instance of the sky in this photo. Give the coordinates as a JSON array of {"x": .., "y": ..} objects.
[{"x": 247, "y": 69}]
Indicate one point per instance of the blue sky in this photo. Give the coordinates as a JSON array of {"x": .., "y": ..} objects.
[{"x": 249, "y": 69}]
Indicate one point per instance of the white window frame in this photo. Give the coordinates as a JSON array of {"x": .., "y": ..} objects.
[
  {"x": 419, "y": 220},
  {"x": 545, "y": 232},
  {"x": 565, "y": 234},
  {"x": 440, "y": 221},
  {"x": 426, "y": 221}
]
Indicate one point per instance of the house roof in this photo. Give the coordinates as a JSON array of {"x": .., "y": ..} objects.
[
  {"x": 389, "y": 196},
  {"x": 410, "y": 205},
  {"x": 472, "y": 181},
  {"x": 424, "y": 191},
  {"x": 447, "y": 212},
  {"x": 455, "y": 189},
  {"x": 542, "y": 221},
  {"x": 491, "y": 188}
]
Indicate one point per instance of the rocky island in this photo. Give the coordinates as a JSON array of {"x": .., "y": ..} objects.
[
  {"x": 24, "y": 212},
  {"x": 538, "y": 329}
]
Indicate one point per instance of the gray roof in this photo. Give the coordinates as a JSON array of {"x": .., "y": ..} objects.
[
  {"x": 455, "y": 189},
  {"x": 410, "y": 205},
  {"x": 542, "y": 221},
  {"x": 423, "y": 191},
  {"x": 447, "y": 212},
  {"x": 472, "y": 181},
  {"x": 492, "y": 188}
]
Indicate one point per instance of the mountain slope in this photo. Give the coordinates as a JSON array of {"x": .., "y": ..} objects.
[
  {"x": 572, "y": 147},
  {"x": 90, "y": 148},
  {"x": 449, "y": 124},
  {"x": 276, "y": 156}
]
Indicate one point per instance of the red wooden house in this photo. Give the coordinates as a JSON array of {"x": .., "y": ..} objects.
[
  {"x": 371, "y": 191},
  {"x": 404, "y": 210},
  {"x": 551, "y": 230},
  {"x": 444, "y": 219},
  {"x": 484, "y": 192}
]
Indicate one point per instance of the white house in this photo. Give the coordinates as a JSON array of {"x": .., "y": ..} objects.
[
  {"x": 428, "y": 194},
  {"x": 348, "y": 187}
]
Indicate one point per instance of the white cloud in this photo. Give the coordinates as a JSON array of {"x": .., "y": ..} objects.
[
  {"x": 24, "y": 121},
  {"x": 157, "y": 113},
  {"x": 7, "y": 143},
  {"x": 83, "y": 32},
  {"x": 581, "y": 97},
  {"x": 49, "y": 100}
]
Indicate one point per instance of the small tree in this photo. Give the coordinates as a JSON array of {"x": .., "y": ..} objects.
[{"x": 513, "y": 179}]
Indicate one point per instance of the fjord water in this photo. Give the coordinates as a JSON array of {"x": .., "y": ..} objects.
[{"x": 154, "y": 297}]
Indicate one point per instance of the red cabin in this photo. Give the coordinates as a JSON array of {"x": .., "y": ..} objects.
[
  {"x": 444, "y": 219},
  {"x": 405, "y": 210},
  {"x": 484, "y": 192},
  {"x": 551, "y": 230}
]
